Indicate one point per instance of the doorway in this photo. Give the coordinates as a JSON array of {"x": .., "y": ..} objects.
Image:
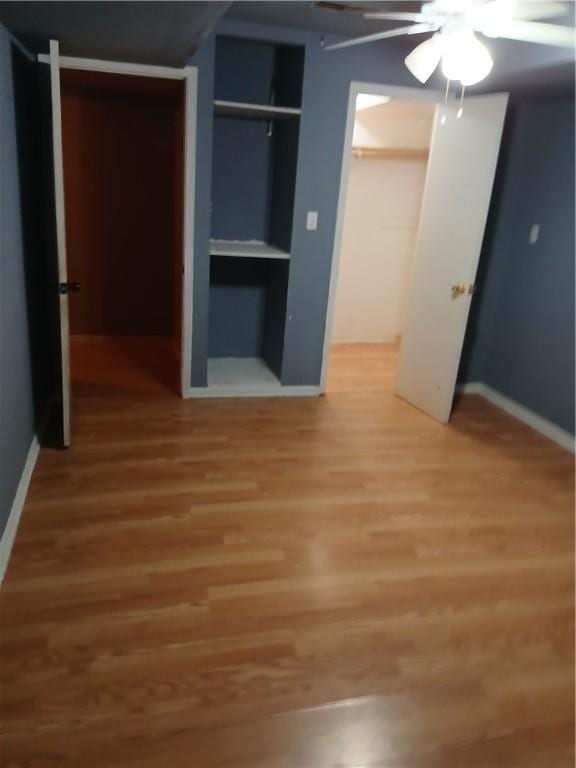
[
  {"x": 464, "y": 148},
  {"x": 123, "y": 158},
  {"x": 387, "y": 164}
]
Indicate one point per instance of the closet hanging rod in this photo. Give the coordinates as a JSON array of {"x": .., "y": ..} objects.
[{"x": 390, "y": 153}]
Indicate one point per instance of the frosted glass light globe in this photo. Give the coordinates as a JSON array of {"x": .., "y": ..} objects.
[
  {"x": 425, "y": 58},
  {"x": 465, "y": 58}
]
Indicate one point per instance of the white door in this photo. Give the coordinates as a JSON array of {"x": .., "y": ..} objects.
[
  {"x": 461, "y": 168},
  {"x": 62, "y": 273}
]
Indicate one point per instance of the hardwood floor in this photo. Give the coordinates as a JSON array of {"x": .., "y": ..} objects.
[{"x": 295, "y": 583}]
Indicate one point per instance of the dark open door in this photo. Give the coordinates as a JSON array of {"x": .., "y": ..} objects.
[{"x": 58, "y": 427}]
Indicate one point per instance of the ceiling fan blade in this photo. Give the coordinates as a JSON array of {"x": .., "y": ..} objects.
[
  {"x": 534, "y": 32},
  {"x": 353, "y": 7},
  {"x": 538, "y": 9},
  {"x": 416, "y": 17},
  {"x": 414, "y": 29}
]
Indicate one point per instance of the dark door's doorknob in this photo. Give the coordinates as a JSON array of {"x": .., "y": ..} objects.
[{"x": 69, "y": 287}]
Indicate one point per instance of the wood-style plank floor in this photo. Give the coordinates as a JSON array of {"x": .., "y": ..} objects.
[{"x": 293, "y": 583}]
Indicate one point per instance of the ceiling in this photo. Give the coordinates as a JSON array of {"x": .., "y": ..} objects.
[
  {"x": 164, "y": 33},
  {"x": 519, "y": 66},
  {"x": 169, "y": 32},
  {"x": 328, "y": 19}
]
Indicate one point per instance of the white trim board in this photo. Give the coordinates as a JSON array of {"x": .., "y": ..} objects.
[
  {"x": 189, "y": 205},
  {"x": 116, "y": 67},
  {"x": 9, "y": 534},
  {"x": 547, "y": 428},
  {"x": 356, "y": 87}
]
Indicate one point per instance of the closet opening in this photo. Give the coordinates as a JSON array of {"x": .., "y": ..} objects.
[
  {"x": 257, "y": 109},
  {"x": 386, "y": 173},
  {"x": 123, "y": 157}
]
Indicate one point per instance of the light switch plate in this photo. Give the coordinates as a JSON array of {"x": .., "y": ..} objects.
[
  {"x": 534, "y": 234},
  {"x": 312, "y": 220}
]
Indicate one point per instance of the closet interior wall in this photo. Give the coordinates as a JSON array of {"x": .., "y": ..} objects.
[{"x": 123, "y": 171}]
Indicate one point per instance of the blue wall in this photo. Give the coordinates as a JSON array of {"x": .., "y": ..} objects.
[
  {"x": 327, "y": 78},
  {"x": 521, "y": 334},
  {"x": 242, "y": 151},
  {"x": 242, "y": 157},
  {"x": 237, "y": 307},
  {"x": 19, "y": 280},
  {"x": 520, "y": 339}
]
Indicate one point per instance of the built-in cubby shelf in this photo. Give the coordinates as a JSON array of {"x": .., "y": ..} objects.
[
  {"x": 254, "y": 111},
  {"x": 244, "y": 373},
  {"x": 254, "y": 163},
  {"x": 246, "y": 249}
]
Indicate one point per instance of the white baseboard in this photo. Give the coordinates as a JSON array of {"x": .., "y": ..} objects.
[
  {"x": 9, "y": 534},
  {"x": 471, "y": 388},
  {"x": 520, "y": 412}
]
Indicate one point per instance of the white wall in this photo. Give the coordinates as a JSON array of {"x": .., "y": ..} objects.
[
  {"x": 380, "y": 225},
  {"x": 396, "y": 124}
]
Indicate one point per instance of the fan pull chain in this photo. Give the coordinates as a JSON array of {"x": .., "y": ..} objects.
[
  {"x": 461, "y": 107},
  {"x": 445, "y": 106}
]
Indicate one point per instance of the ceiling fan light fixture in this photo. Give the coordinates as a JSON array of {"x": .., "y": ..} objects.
[
  {"x": 465, "y": 58},
  {"x": 424, "y": 59}
]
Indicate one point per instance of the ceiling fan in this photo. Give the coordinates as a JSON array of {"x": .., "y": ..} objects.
[{"x": 455, "y": 24}]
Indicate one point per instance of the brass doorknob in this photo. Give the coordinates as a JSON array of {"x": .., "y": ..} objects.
[{"x": 458, "y": 289}]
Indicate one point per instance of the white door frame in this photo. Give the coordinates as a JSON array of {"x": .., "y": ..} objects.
[
  {"x": 356, "y": 87},
  {"x": 190, "y": 77}
]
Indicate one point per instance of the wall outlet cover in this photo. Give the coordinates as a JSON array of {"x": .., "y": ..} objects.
[
  {"x": 534, "y": 234},
  {"x": 312, "y": 220}
]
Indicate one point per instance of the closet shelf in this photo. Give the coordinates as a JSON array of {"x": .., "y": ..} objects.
[
  {"x": 265, "y": 111},
  {"x": 247, "y": 373},
  {"x": 390, "y": 153},
  {"x": 250, "y": 249}
]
